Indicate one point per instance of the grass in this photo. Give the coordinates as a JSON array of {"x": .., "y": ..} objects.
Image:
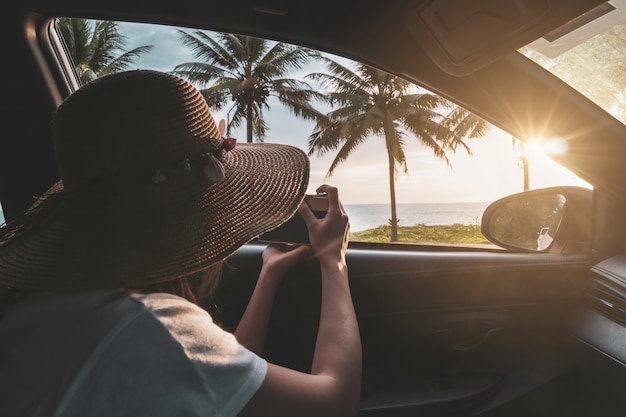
[{"x": 421, "y": 233}]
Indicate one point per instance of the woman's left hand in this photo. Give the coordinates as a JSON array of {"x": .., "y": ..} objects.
[{"x": 278, "y": 258}]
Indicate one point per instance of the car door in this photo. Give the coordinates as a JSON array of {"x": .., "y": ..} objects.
[
  {"x": 444, "y": 332},
  {"x": 448, "y": 331}
]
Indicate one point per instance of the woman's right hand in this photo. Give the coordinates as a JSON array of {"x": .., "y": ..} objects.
[{"x": 329, "y": 235}]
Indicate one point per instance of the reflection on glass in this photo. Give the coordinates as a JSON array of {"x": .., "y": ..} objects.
[{"x": 528, "y": 222}]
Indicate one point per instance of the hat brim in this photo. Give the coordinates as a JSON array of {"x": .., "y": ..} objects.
[{"x": 144, "y": 233}]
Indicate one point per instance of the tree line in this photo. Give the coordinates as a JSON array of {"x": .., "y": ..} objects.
[{"x": 240, "y": 74}]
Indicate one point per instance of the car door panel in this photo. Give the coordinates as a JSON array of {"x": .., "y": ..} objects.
[{"x": 443, "y": 331}]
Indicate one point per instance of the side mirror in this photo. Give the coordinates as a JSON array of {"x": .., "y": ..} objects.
[{"x": 556, "y": 219}]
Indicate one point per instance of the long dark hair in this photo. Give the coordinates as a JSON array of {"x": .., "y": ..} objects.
[{"x": 196, "y": 287}]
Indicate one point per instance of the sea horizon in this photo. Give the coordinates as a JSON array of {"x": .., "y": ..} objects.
[{"x": 369, "y": 216}]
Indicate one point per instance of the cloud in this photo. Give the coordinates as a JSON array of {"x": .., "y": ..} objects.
[{"x": 168, "y": 50}]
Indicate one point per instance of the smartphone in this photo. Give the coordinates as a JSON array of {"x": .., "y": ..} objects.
[{"x": 294, "y": 230}]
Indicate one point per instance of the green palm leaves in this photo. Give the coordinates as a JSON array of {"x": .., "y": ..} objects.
[
  {"x": 94, "y": 46},
  {"x": 247, "y": 72},
  {"x": 246, "y": 75},
  {"x": 367, "y": 102}
]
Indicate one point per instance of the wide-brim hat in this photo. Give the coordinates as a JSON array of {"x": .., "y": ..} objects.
[{"x": 150, "y": 190}]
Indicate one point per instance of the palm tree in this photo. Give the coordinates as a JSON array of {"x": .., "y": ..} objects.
[
  {"x": 94, "y": 46},
  {"x": 523, "y": 162},
  {"x": 369, "y": 102},
  {"x": 247, "y": 71}
]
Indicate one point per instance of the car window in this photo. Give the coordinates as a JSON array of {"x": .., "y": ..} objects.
[
  {"x": 446, "y": 165},
  {"x": 588, "y": 56}
]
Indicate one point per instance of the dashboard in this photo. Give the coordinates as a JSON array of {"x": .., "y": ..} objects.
[{"x": 599, "y": 321}]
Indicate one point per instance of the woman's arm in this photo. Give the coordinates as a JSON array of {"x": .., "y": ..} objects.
[
  {"x": 277, "y": 259},
  {"x": 334, "y": 385}
]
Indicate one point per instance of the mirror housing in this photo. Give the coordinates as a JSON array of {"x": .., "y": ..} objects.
[{"x": 555, "y": 219}]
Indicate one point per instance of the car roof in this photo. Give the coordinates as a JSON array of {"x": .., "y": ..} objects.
[{"x": 465, "y": 51}]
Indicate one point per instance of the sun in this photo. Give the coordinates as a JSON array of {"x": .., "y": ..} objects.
[
  {"x": 544, "y": 171},
  {"x": 534, "y": 150},
  {"x": 540, "y": 148}
]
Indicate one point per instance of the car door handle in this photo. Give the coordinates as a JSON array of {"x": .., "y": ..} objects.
[{"x": 466, "y": 335}]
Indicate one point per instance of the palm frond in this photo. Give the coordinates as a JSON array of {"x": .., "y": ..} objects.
[
  {"x": 76, "y": 34},
  {"x": 124, "y": 61},
  {"x": 298, "y": 101},
  {"x": 325, "y": 137},
  {"x": 97, "y": 47},
  {"x": 395, "y": 147},
  {"x": 215, "y": 98},
  {"x": 349, "y": 145},
  {"x": 281, "y": 59},
  {"x": 244, "y": 49},
  {"x": 208, "y": 50},
  {"x": 259, "y": 125},
  {"x": 201, "y": 73}
]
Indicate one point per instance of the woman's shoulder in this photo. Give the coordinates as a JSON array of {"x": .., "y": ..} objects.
[
  {"x": 161, "y": 300},
  {"x": 190, "y": 325}
]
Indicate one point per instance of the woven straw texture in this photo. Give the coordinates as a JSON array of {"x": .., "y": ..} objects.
[{"x": 106, "y": 224}]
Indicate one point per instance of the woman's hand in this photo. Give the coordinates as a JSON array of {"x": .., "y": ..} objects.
[
  {"x": 279, "y": 257},
  {"x": 329, "y": 235}
]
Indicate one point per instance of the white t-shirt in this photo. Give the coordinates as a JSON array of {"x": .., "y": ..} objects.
[{"x": 109, "y": 353}]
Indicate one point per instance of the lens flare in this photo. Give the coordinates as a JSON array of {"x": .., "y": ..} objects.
[{"x": 537, "y": 147}]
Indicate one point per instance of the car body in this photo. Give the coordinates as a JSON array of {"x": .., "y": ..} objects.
[{"x": 459, "y": 330}]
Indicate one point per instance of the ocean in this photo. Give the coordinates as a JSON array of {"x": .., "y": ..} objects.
[{"x": 368, "y": 216}]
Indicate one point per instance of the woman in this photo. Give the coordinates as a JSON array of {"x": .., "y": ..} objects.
[{"x": 151, "y": 201}]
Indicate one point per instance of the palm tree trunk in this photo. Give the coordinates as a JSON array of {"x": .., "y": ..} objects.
[
  {"x": 525, "y": 167},
  {"x": 249, "y": 122},
  {"x": 393, "y": 222}
]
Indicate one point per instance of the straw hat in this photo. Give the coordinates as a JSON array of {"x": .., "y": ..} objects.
[{"x": 149, "y": 190}]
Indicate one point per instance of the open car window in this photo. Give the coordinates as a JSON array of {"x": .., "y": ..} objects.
[{"x": 411, "y": 166}]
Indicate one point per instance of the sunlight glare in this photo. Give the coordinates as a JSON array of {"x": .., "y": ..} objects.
[
  {"x": 555, "y": 146},
  {"x": 541, "y": 148},
  {"x": 534, "y": 149}
]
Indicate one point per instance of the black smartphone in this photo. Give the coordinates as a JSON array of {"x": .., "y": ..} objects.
[{"x": 294, "y": 230}]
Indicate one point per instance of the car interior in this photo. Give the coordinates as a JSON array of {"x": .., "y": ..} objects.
[{"x": 532, "y": 325}]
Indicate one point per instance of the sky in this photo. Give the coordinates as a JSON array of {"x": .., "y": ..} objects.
[{"x": 491, "y": 172}]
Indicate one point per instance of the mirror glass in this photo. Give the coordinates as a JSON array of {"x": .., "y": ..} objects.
[{"x": 528, "y": 222}]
